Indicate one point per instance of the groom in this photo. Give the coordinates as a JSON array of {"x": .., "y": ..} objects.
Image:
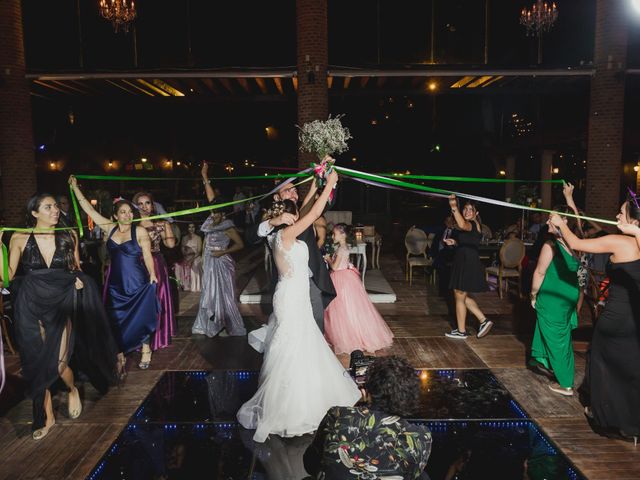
[{"x": 320, "y": 285}]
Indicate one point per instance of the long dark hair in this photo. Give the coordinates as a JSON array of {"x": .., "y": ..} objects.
[
  {"x": 473, "y": 205},
  {"x": 347, "y": 230},
  {"x": 121, "y": 202},
  {"x": 633, "y": 209},
  {"x": 65, "y": 241}
]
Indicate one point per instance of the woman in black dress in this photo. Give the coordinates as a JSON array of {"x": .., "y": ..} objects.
[
  {"x": 613, "y": 370},
  {"x": 467, "y": 272},
  {"x": 58, "y": 313}
]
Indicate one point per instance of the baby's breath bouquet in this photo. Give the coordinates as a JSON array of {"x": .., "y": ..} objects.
[{"x": 324, "y": 139}]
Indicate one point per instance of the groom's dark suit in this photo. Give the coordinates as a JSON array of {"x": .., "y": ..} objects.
[{"x": 320, "y": 285}]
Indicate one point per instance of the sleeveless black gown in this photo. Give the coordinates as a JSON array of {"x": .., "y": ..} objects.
[
  {"x": 46, "y": 296},
  {"x": 613, "y": 373},
  {"x": 467, "y": 272}
]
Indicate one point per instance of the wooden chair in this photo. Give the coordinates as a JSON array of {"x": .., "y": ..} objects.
[
  {"x": 511, "y": 254},
  {"x": 416, "y": 242}
]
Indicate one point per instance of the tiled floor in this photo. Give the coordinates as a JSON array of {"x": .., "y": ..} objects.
[{"x": 418, "y": 319}]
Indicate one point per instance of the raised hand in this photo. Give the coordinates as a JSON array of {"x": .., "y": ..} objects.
[
  {"x": 567, "y": 190},
  {"x": 629, "y": 228},
  {"x": 332, "y": 178},
  {"x": 453, "y": 201},
  {"x": 73, "y": 181},
  {"x": 204, "y": 171}
]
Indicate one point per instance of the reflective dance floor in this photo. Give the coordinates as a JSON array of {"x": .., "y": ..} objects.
[{"x": 186, "y": 426}]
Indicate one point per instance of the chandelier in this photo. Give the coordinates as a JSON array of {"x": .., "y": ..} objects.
[
  {"x": 540, "y": 18},
  {"x": 119, "y": 12}
]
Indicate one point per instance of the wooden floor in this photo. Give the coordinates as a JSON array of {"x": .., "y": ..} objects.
[{"x": 418, "y": 320}]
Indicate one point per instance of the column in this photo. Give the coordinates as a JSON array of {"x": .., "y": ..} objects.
[
  {"x": 312, "y": 60},
  {"x": 546, "y": 174},
  {"x": 606, "y": 115},
  {"x": 17, "y": 159},
  {"x": 510, "y": 174}
]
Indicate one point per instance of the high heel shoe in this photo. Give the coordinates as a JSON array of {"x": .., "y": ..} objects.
[
  {"x": 75, "y": 413},
  {"x": 41, "y": 432},
  {"x": 144, "y": 364}
]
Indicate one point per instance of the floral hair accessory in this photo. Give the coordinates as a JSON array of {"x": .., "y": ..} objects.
[
  {"x": 117, "y": 199},
  {"x": 633, "y": 196},
  {"x": 276, "y": 210}
]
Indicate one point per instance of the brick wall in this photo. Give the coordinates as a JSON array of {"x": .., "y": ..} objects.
[
  {"x": 313, "y": 96},
  {"x": 16, "y": 136},
  {"x": 606, "y": 115}
]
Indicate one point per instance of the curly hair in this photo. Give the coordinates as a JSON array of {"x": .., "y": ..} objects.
[{"x": 393, "y": 385}]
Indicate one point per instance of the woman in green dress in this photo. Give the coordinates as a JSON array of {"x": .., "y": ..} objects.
[{"x": 554, "y": 296}]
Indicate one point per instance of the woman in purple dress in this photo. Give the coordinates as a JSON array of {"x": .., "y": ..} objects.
[
  {"x": 218, "y": 309},
  {"x": 160, "y": 231}
]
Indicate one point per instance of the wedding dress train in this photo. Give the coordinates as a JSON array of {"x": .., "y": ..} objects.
[{"x": 301, "y": 378}]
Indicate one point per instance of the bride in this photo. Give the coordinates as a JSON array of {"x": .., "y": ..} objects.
[{"x": 301, "y": 378}]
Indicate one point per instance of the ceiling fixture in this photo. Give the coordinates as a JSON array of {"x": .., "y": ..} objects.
[
  {"x": 539, "y": 18},
  {"x": 119, "y": 12}
]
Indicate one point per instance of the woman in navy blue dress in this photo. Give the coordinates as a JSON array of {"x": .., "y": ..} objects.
[{"x": 130, "y": 286}]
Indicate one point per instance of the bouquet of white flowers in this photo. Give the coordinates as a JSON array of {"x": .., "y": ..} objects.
[{"x": 324, "y": 139}]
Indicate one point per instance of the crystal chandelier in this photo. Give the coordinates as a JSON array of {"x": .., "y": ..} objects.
[
  {"x": 119, "y": 12},
  {"x": 540, "y": 18}
]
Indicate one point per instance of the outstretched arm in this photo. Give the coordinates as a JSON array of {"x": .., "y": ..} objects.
[
  {"x": 567, "y": 191},
  {"x": 606, "y": 244},
  {"x": 208, "y": 189},
  {"x": 104, "y": 223},
  {"x": 460, "y": 221},
  {"x": 290, "y": 233}
]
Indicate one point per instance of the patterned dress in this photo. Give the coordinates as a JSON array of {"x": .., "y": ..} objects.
[{"x": 365, "y": 444}]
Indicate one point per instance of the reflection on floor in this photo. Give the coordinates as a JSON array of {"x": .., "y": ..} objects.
[{"x": 187, "y": 426}]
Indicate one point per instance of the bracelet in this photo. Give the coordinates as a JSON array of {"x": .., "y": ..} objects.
[
  {"x": 205, "y": 182},
  {"x": 532, "y": 296}
]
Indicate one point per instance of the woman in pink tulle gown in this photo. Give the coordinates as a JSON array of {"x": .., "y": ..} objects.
[{"x": 351, "y": 322}]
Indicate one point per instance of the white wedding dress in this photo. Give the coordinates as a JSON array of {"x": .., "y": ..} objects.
[{"x": 301, "y": 378}]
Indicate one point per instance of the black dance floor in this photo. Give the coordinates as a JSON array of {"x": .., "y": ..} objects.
[{"x": 186, "y": 428}]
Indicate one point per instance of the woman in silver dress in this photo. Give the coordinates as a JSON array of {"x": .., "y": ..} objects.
[{"x": 218, "y": 309}]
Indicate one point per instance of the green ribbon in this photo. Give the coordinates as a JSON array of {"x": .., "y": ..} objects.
[
  {"x": 441, "y": 178},
  {"x": 5, "y": 266},
  {"x": 76, "y": 212},
  {"x": 440, "y": 191},
  {"x": 155, "y": 179}
]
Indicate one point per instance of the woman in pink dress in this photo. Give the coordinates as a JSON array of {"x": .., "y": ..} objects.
[{"x": 351, "y": 322}]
